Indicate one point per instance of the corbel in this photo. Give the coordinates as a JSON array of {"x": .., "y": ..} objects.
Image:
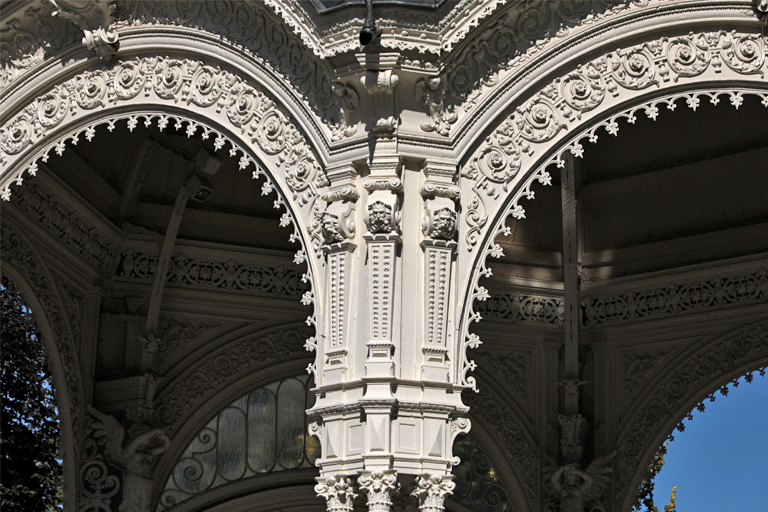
[
  {"x": 95, "y": 19},
  {"x": 380, "y": 81}
]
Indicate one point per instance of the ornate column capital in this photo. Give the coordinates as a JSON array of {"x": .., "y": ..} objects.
[
  {"x": 432, "y": 490},
  {"x": 379, "y": 487},
  {"x": 338, "y": 492}
]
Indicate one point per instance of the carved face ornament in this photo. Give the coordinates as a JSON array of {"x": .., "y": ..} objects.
[
  {"x": 379, "y": 217},
  {"x": 444, "y": 223}
]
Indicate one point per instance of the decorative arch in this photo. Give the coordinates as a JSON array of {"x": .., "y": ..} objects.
[
  {"x": 237, "y": 32},
  {"x": 620, "y": 85},
  {"x": 26, "y": 269},
  {"x": 691, "y": 379},
  {"x": 193, "y": 96}
]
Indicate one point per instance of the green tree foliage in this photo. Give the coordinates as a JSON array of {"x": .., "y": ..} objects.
[
  {"x": 31, "y": 476},
  {"x": 644, "y": 501}
]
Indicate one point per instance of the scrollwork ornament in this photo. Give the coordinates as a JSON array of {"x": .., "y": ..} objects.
[
  {"x": 271, "y": 132},
  {"x": 91, "y": 90},
  {"x": 744, "y": 53},
  {"x": 129, "y": 78},
  {"x": 16, "y": 135},
  {"x": 300, "y": 172},
  {"x": 97, "y": 486},
  {"x": 538, "y": 121},
  {"x": 583, "y": 90},
  {"x": 169, "y": 79},
  {"x": 52, "y": 107},
  {"x": 497, "y": 164},
  {"x": 689, "y": 57},
  {"x": 476, "y": 217},
  {"x": 243, "y": 102},
  {"x": 634, "y": 69},
  {"x": 206, "y": 86}
]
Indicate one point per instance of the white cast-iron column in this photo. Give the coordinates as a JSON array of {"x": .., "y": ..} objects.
[{"x": 388, "y": 408}]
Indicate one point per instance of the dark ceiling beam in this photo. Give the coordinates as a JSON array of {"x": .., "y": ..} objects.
[
  {"x": 679, "y": 174},
  {"x": 135, "y": 179},
  {"x": 88, "y": 183}
]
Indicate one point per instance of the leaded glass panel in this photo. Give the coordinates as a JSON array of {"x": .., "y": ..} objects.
[
  {"x": 478, "y": 485},
  {"x": 260, "y": 432}
]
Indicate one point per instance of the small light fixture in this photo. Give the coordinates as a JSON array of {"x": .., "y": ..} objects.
[{"x": 204, "y": 190}]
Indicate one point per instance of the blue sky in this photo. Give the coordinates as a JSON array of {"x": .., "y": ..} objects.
[{"x": 720, "y": 462}]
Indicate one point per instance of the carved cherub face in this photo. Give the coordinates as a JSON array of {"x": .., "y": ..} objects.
[{"x": 379, "y": 217}]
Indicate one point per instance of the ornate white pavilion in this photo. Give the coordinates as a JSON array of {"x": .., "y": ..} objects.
[{"x": 395, "y": 255}]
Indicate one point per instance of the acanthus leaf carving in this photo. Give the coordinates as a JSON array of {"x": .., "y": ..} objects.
[
  {"x": 637, "y": 367},
  {"x": 173, "y": 335},
  {"x": 432, "y": 491},
  {"x": 379, "y": 487},
  {"x": 348, "y": 101},
  {"x": 338, "y": 492},
  {"x": 429, "y": 92}
]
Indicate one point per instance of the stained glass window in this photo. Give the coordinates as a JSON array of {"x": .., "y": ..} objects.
[{"x": 260, "y": 432}]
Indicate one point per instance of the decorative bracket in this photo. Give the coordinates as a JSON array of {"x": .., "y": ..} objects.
[
  {"x": 95, "y": 19},
  {"x": 348, "y": 101},
  {"x": 380, "y": 80},
  {"x": 430, "y": 93}
]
